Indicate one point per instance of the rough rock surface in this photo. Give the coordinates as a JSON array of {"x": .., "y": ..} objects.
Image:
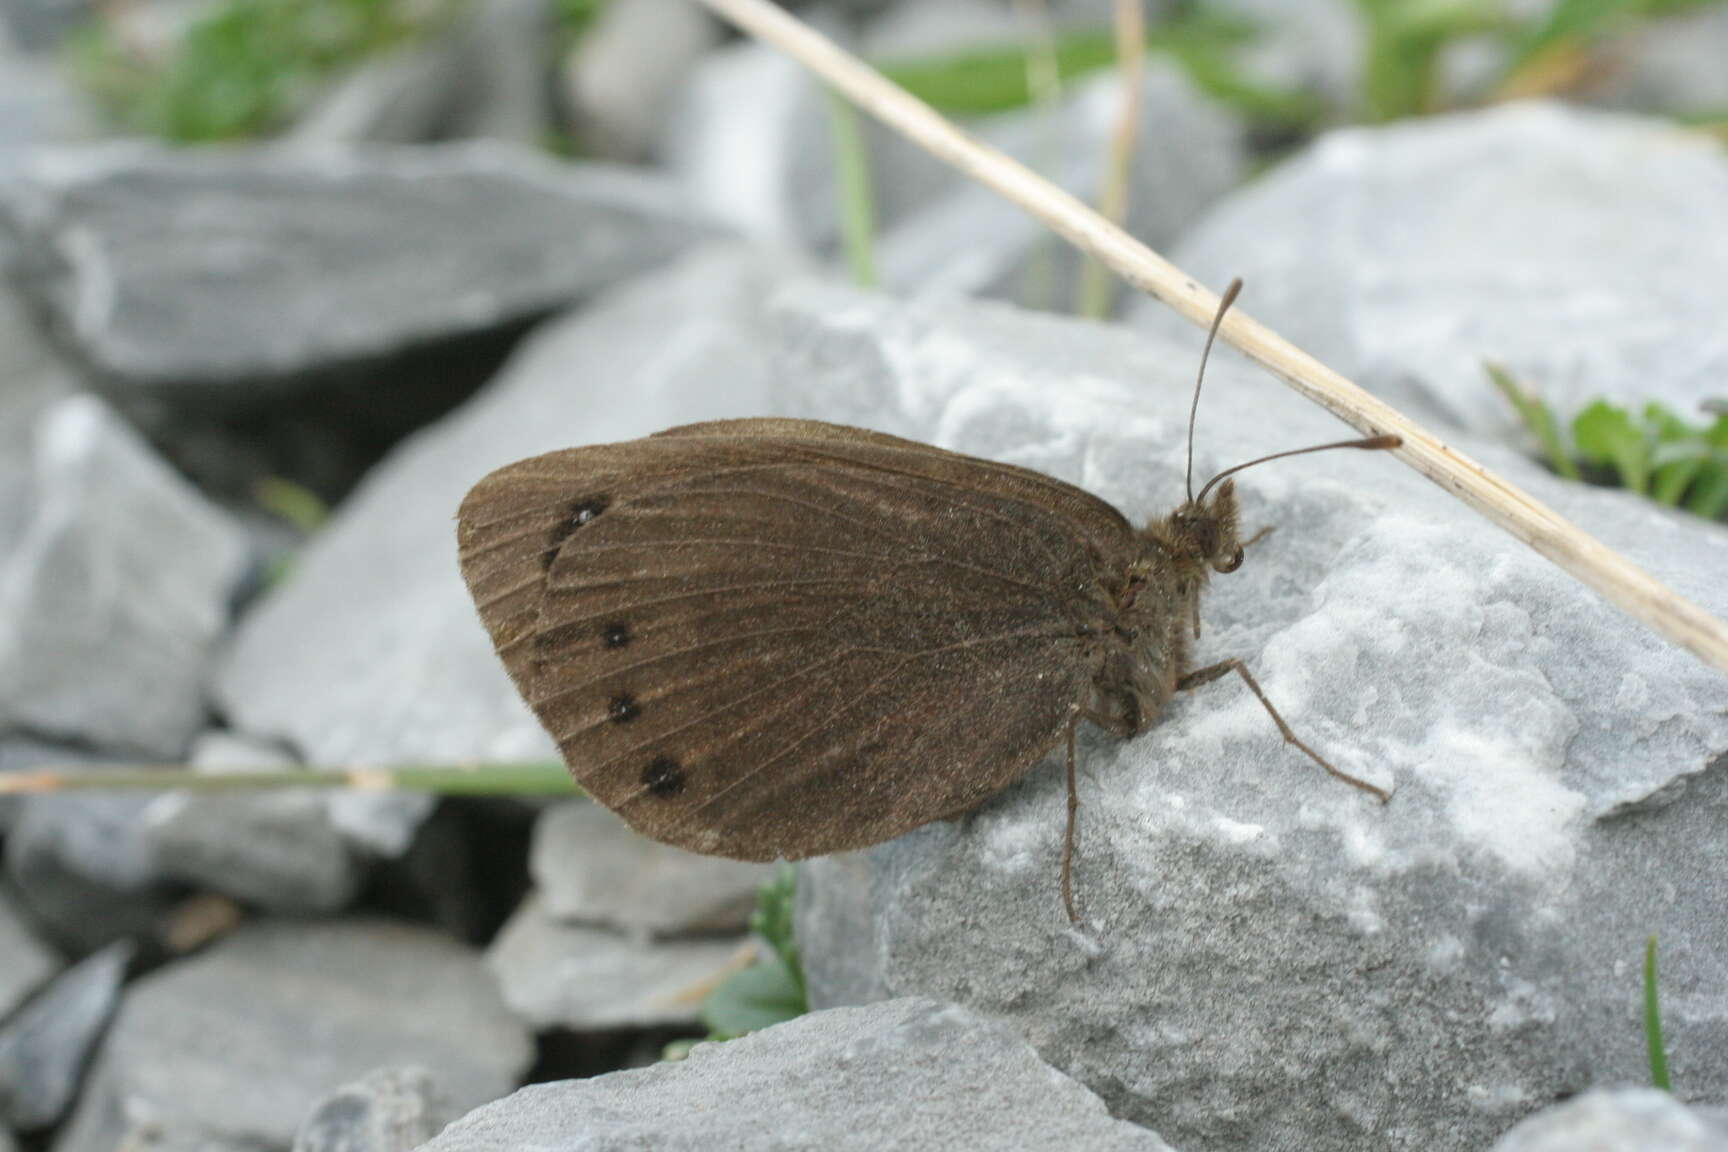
[
  {"x": 970, "y": 241},
  {"x": 115, "y": 592},
  {"x": 238, "y": 1044},
  {"x": 389, "y": 1110},
  {"x": 1406, "y": 256},
  {"x": 25, "y": 961},
  {"x": 1623, "y": 1120},
  {"x": 587, "y": 979},
  {"x": 908, "y": 1074},
  {"x": 43, "y": 1050},
  {"x": 425, "y": 685},
  {"x": 752, "y": 143},
  {"x": 82, "y": 864},
  {"x": 591, "y": 868},
  {"x": 1269, "y": 957},
  {"x": 278, "y": 849},
  {"x": 309, "y": 259}
]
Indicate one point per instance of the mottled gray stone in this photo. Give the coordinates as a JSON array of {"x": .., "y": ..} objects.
[
  {"x": 115, "y": 591},
  {"x": 1620, "y": 1120},
  {"x": 425, "y": 685},
  {"x": 280, "y": 850},
  {"x": 907, "y": 1074},
  {"x": 38, "y": 105},
  {"x": 504, "y": 57},
  {"x": 315, "y": 261},
  {"x": 1313, "y": 46},
  {"x": 752, "y": 141},
  {"x": 971, "y": 241},
  {"x": 25, "y": 961},
  {"x": 622, "y": 77},
  {"x": 592, "y": 869},
  {"x": 400, "y": 98},
  {"x": 238, "y": 1044},
  {"x": 1270, "y": 959},
  {"x": 388, "y": 1110},
  {"x": 1671, "y": 66},
  {"x": 586, "y": 979},
  {"x": 82, "y": 864},
  {"x": 1584, "y": 251},
  {"x": 44, "y": 1048}
]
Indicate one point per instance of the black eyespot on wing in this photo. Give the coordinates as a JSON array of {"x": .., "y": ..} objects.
[
  {"x": 616, "y": 634},
  {"x": 578, "y": 514},
  {"x": 663, "y": 777},
  {"x": 623, "y": 708}
]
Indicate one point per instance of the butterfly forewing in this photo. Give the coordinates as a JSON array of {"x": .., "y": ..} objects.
[{"x": 778, "y": 638}]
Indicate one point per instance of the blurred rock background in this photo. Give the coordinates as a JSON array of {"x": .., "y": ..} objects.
[{"x": 283, "y": 278}]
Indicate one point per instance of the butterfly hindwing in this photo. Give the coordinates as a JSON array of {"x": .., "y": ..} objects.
[{"x": 778, "y": 638}]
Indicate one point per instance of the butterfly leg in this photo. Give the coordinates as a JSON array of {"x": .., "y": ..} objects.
[
  {"x": 1068, "y": 840},
  {"x": 1213, "y": 671}
]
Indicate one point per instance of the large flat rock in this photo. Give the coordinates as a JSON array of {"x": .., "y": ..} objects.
[
  {"x": 907, "y": 1074},
  {"x": 1269, "y": 958},
  {"x": 238, "y": 1044},
  {"x": 1583, "y": 250}
]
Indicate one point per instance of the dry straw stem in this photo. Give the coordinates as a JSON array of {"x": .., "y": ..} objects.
[
  {"x": 1600, "y": 567},
  {"x": 1096, "y": 288}
]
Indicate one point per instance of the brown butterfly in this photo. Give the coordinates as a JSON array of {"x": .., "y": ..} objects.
[{"x": 777, "y": 638}]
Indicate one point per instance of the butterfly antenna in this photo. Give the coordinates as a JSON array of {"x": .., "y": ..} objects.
[
  {"x": 1370, "y": 443},
  {"x": 1224, "y": 303}
]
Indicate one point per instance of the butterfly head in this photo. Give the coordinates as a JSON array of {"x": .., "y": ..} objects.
[{"x": 1203, "y": 533}]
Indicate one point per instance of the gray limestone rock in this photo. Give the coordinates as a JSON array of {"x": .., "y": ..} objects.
[
  {"x": 237, "y": 1045},
  {"x": 592, "y": 869},
  {"x": 115, "y": 591},
  {"x": 389, "y": 1110},
  {"x": 25, "y": 961},
  {"x": 399, "y": 98},
  {"x": 372, "y": 652},
  {"x": 1670, "y": 67},
  {"x": 1584, "y": 251},
  {"x": 279, "y": 849},
  {"x": 752, "y": 142},
  {"x": 970, "y": 241},
  {"x": 1270, "y": 959},
  {"x": 309, "y": 260},
  {"x": 83, "y": 865},
  {"x": 586, "y": 979},
  {"x": 907, "y": 1074},
  {"x": 43, "y": 1050},
  {"x": 622, "y": 77},
  {"x": 39, "y": 105},
  {"x": 1619, "y": 1120}
]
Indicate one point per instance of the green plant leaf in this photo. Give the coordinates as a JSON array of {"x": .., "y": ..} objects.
[
  {"x": 1606, "y": 435},
  {"x": 1678, "y": 452},
  {"x": 771, "y": 990},
  {"x": 1537, "y": 417},
  {"x": 1709, "y": 494},
  {"x": 759, "y": 996},
  {"x": 1653, "y": 1021}
]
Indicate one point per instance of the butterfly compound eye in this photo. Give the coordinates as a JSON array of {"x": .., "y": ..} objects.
[{"x": 1230, "y": 563}]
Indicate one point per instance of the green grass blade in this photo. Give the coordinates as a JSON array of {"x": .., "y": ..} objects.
[
  {"x": 1537, "y": 418},
  {"x": 1653, "y": 1020},
  {"x": 852, "y": 176},
  {"x": 536, "y": 778}
]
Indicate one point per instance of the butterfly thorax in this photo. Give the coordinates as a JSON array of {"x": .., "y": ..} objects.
[{"x": 1158, "y": 607}]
